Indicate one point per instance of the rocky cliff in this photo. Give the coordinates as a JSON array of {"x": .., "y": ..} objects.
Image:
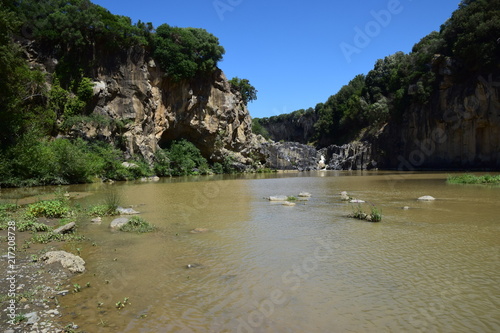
[
  {"x": 294, "y": 127},
  {"x": 459, "y": 128},
  {"x": 149, "y": 110}
]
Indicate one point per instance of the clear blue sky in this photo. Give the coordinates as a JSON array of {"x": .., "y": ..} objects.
[{"x": 297, "y": 53}]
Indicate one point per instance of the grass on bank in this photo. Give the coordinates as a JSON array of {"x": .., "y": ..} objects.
[{"x": 471, "y": 179}]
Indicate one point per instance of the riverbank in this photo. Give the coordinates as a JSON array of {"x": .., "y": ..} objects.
[{"x": 31, "y": 291}]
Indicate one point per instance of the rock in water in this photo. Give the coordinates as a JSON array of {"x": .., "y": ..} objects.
[
  {"x": 304, "y": 194},
  {"x": 126, "y": 211},
  {"x": 118, "y": 223},
  {"x": 73, "y": 263},
  {"x": 65, "y": 228},
  {"x": 357, "y": 201},
  {"x": 426, "y": 198},
  {"x": 288, "y": 203},
  {"x": 199, "y": 231},
  {"x": 278, "y": 198}
]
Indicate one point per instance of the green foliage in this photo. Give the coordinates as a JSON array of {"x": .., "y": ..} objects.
[
  {"x": 376, "y": 214},
  {"x": 258, "y": 129},
  {"x": 471, "y": 179},
  {"x": 31, "y": 225},
  {"x": 471, "y": 35},
  {"x": 243, "y": 86},
  {"x": 48, "y": 208},
  {"x": 181, "y": 159},
  {"x": 47, "y": 237},
  {"x": 186, "y": 52},
  {"x": 137, "y": 224}
]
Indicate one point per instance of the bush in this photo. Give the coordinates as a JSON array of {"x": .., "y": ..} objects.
[
  {"x": 185, "y": 159},
  {"x": 137, "y": 224}
]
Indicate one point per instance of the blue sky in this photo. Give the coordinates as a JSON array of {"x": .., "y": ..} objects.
[{"x": 295, "y": 52}]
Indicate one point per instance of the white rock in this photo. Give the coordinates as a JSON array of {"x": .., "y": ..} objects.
[
  {"x": 288, "y": 203},
  {"x": 278, "y": 198},
  {"x": 357, "y": 201},
  {"x": 426, "y": 198},
  {"x": 304, "y": 194},
  {"x": 73, "y": 263}
]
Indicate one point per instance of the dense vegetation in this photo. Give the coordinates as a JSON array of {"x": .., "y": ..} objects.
[
  {"x": 469, "y": 38},
  {"x": 36, "y": 106}
]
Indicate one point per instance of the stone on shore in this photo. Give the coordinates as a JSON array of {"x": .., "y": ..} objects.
[{"x": 73, "y": 263}]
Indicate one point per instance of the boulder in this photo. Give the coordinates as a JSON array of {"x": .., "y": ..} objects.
[
  {"x": 73, "y": 263},
  {"x": 118, "y": 223},
  {"x": 65, "y": 228},
  {"x": 304, "y": 194},
  {"x": 426, "y": 198},
  {"x": 126, "y": 211}
]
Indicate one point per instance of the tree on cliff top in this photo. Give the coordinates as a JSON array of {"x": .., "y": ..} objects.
[
  {"x": 247, "y": 91},
  {"x": 185, "y": 52}
]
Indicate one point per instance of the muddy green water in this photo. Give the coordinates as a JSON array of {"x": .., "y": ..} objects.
[{"x": 265, "y": 267}]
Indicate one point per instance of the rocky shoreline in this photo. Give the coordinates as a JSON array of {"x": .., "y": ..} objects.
[{"x": 39, "y": 286}]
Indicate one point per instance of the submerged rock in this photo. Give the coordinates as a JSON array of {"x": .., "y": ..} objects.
[
  {"x": 357, "y": 201},
  {"x": 199, "y": 231},
  {"x": 426, "y": 198},
  {"x": 73, "y": 263},
  {"x": 196, "y": 265},
  {"x": 288, "y": 203}
]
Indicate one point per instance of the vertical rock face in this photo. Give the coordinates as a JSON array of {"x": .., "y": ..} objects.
[
  {"x": 459, "y": 128},
  {"x": 149, "y": 110}
]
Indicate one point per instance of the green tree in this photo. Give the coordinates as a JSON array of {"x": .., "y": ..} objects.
[
  {"x": 186, "y": 52},
  {"x": 247, "y": 91}
]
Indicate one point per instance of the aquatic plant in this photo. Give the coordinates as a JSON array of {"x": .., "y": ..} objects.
[{"x": 137, "y": 224}]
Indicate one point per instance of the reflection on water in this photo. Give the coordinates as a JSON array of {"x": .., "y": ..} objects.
[{"x": 265, "y": 267}]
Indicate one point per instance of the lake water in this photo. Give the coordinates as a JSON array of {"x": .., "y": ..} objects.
[{"x": 266, "y": 267}]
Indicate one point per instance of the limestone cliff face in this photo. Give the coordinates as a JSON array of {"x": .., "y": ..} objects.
[
  {"x": 291, "y": 127},
  {"x": 149, "y": 110},
  {"x": 458, "y": 129}
]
